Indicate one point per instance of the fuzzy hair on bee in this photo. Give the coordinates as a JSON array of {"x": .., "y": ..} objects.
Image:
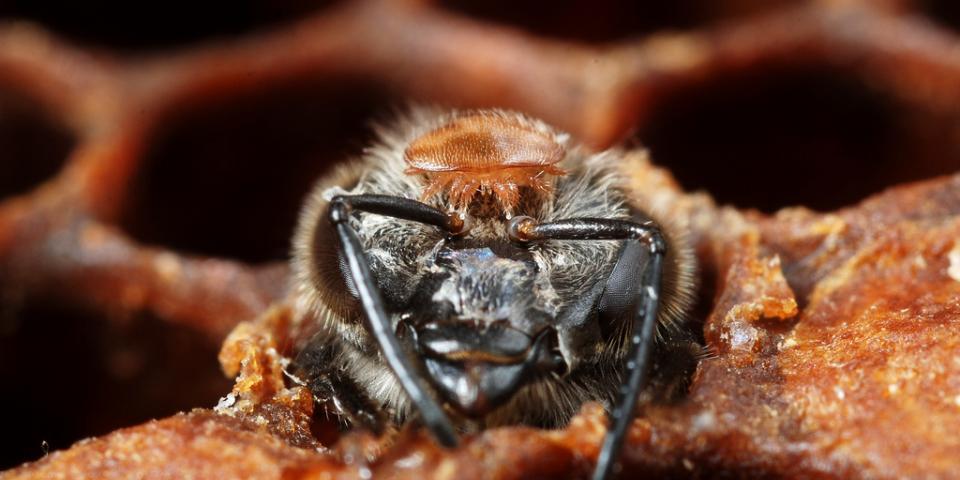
[{"x": 503, "y": 326}]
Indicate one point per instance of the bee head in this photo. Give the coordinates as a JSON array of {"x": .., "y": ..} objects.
[{"x": 495, "y": 326}]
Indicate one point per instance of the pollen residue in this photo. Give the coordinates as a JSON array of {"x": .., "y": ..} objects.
[{"x": 485, "y": 153}]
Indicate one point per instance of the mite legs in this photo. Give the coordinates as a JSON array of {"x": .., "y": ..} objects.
[{"x": 526, "y": 229}]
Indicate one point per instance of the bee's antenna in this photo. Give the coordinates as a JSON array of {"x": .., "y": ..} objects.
[
  {"x": 526, "y": 229},
  {"x": 378, "y": 323}
]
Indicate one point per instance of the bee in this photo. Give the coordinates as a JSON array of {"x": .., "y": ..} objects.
[{"x": 481, "y": 268}]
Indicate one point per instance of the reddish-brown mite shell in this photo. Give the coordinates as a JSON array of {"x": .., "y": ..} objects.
[{"x": 484, "y": 152}]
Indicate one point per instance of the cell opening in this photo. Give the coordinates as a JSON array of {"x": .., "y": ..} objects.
[
  {"x": 782, "y": 136},
  {"x": 228, "y": 179},
  {"x": 147, "y": 26},
  {"x": 944, "y": 12},
  {"x": 33, "y": 147},
  {"x": 67, "y": 374},
  {"x": 608, "y": 20}
]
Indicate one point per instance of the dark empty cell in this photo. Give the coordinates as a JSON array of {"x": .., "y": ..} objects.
[
  {"x": 817, "y": 138},
  {"x": 608, "y": 20},
  {"x": 66, "y": 375},
  {"x": 156, "y": 24},
  {"x": 944, "y": 12},
  {"x": 32, "y": 147},
  {"x": 228, "y": 179}
]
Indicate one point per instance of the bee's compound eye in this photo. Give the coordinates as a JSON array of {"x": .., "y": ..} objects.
[
  {"x": 621, "y": 293},
  {"x": 344, "y": 269}
]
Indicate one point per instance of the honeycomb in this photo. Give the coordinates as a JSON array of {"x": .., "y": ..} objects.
[{"x": 152, "y": 163}]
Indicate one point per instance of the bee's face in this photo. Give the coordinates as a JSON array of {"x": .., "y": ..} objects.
[
  {"x": 524, "y": 331},
  {"x": 487, "y": 317}
]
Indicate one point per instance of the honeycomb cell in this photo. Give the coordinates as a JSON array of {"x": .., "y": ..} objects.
[
  {"x": 33, "y": 147},
  {"x": 67, "y": 374},
  {"x": 608, "y": 20},
  {"x": 944, "y": 12},
  {"x": 787, "y": 136},
  {"x": 155, "y": 25},
  {"x": 227, "y": 179}
]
